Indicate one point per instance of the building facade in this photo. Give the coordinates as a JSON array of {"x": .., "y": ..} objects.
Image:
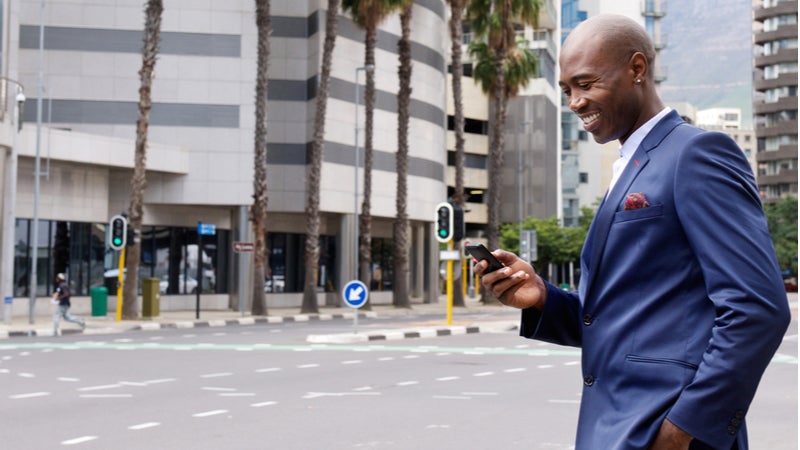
[
  {"x": 775, "y": 99},
  {"x": 81, "y": 86}
]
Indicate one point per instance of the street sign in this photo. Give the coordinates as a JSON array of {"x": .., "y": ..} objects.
[
  {"x": 119, "y": 232},
  {"x": 206, "y": 229},
  {"x": 528, "y": 246},
  {"x": 355, "y": 294},
  {"x": 244, "y": 247}
]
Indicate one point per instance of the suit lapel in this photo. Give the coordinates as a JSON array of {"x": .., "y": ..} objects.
[{"x": 598, "y": 232}]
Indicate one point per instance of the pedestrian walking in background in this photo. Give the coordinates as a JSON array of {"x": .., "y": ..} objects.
[{"x": 61, "y": 299}]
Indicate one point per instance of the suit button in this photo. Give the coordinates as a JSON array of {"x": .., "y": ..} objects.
[
  {"x": 588, "y": 380},
  {"x": 731, "y": 430},
  {"x": 740, "y": 414},
  {"x": 587, "y": 319},
  {"x": 735, "y": 422}
]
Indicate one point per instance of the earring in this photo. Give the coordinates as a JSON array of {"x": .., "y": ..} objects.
[{"x": 638, "y": 81}]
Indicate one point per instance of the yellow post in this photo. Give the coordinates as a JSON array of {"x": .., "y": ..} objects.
[
  {"x": 120, "y": 276},
  {"x": 450, "y": 286},
  {"x": 464, "y": 277}
]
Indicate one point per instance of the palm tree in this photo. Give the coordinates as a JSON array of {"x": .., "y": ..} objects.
[
  {"x": 368, "y": 14},
  {"x": 401, "y": 227},
  {"x": 315, "y": 162},
  {"x": 456, "y": 72},
  {"x": 152, "y": 30},
  {"x": 492, "y": 21},
  {"x": 258, "y": 212}
]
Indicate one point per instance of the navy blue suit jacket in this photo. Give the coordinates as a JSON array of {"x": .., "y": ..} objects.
[{"x": 680, "y": 305}]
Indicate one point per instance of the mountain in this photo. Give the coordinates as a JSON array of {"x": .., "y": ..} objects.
[{"x": 708, "y": 57}]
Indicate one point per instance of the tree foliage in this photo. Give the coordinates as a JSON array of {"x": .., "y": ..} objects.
[{"x": 782, "y": 221}]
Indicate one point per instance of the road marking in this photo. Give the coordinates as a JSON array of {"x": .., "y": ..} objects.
[
  {"x": 564, "y": 401},
  {"x": 572, "y": 363},
  {"x": 451, "y": 397},
  {"x": 101, "y": 387},
  {"x": 143, "y": 426},
  {"x": 237, "y": 394},
  {"x": 5, "y": 371},
  {"x": 307, "y": 366},
  {"x": 30, "y": 395},
  {"x": 386, "y": 358},
  {"x": 26, "y": 375},
  {"x": 407, "y": 383},
  {"x": 220, "y": 389},
  {"x": 480, "y": 394},
  {"x": 68, "y": 379},
  {"x": 215, "y": 412},
  {"x": 482, "y": 374},
  {"x": 262, "y": 404},
  {"x": 106, "y": 396},
  {"x": 545, "y": 366},
  {"x": 447, "y": 378},
  {"x": 216, "y": 375},
  {"x": 363, "y": 388},
  {"x": 352, "y": 361},
  {"x": 79, "y": 440},
  {"x": 518, "y": 369},
  {"x": 268, "y": 369},
  {"x": 337, "y": 394}
]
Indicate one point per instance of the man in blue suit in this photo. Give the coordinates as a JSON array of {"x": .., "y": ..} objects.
[{"x": 680, "y": 305}]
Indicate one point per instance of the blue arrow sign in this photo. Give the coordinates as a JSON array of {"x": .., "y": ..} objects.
[
  {"x": 355, "y": 294},
  {"x": 206, "y": 229}
]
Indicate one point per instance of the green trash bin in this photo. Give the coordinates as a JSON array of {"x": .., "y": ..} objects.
[
  {"x": 99, "y": 296},
  {"x": 151, "y": 297}
]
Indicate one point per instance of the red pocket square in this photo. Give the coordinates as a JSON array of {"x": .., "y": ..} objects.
[{"x": 635, "y": 201}]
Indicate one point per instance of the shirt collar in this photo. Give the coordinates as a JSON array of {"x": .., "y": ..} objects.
[{"x": 632, "y": 143}]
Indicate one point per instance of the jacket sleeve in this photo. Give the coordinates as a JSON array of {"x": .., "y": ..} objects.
[
  {"x": 725, "y": 225},
  {"x": 558, "y": 322}
]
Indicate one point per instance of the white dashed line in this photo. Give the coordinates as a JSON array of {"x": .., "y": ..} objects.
[
  {"x": 216, "y": 375},
  {"x": 98, "y": 388},
  {"x": 26, "y": 375},
  {"x": 564, "y": 401},
  {"x": 30, "y": 395},
  {"x": 215, "y": 412},
  {"x": 354, "y": 361},
  {"x": 451, "y": 397},
  {"x": 262, "y": 404},
  {"x": 407, "y": 383},
  {"x": 483, "y": 374},
  {"x": 545, "y": 366},
  {"x": 572, "y": 363},
  {"x": 143, "y": 426},
  {"x": 69, "y": 380},
  {"x": 307, "y": 366},
  {"x": 268, "y": 369},
  {"x": 237, "y": 394},
  {"x": 106, "y": 396},
  {"x": 519, "y": 369},
  {"x": 447, "y": 378},
  {"x": 222, "y": 389},
  {"x": 79, "y": 440}
]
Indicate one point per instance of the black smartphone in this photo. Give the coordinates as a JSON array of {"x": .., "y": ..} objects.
[{"x": 480, "y": 252}]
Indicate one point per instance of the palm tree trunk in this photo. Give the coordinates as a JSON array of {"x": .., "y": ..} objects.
[
  {"x": 457, "y": 71},
  {"x": 401, "y": 225},
  {"x": 314, "y": 178},
  {"x": 496, "y": 148},
  {"x": 365, "y": 222},
  {"x": 152, "y": 30},
  {"x": 258, "y": 213}
]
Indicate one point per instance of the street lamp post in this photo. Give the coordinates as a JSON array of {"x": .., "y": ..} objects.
[
  {"x": 9, "y": 205},
  {"x": 37, "y": 173},
  {"x": 367, "y": 68}
]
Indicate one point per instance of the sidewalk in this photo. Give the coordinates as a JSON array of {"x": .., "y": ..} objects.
[{"x": 432, "y": 316}]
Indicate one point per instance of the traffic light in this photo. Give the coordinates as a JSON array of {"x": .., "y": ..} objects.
[
  {"x": 119, "y": 232},
  {"x": 458, "y": 223},
  {"x": 444, "y": 222}
]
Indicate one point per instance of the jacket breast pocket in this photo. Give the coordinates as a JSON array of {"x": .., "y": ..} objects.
[{"x": 639, "y": 214}]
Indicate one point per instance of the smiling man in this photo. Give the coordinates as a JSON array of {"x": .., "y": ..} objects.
[{"x": 680, "y": 305}]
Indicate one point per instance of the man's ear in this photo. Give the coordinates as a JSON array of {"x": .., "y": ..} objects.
[{"x": 638, "y": 66}]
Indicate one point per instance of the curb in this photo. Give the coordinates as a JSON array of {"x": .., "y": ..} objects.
[{"x": 413, "y": 333}]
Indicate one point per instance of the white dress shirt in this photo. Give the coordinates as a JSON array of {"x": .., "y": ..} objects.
[{"x": 632, "y": 143}]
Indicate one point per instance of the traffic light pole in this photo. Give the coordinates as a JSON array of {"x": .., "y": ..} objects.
[
  {"x": 120, "y": 274},
  {"x": 450, "y": 286}
]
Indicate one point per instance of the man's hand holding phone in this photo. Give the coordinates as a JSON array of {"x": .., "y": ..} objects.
[{"x": 511, "y": 280}]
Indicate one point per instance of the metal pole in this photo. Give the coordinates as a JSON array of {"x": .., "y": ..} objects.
[
  {"x": 9, "y": 211},
  {"x": 519, "y": 185},
  {"x": 37, "y": 169},
  {"x": 355, "y": 190}
]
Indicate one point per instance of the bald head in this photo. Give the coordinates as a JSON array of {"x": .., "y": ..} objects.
[{"x": 614, "y": 34}]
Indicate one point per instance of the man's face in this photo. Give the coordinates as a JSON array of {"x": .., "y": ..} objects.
[{"x": 599, "y": 88}]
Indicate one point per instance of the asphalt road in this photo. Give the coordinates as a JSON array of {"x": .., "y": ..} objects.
[{"x": 255, "y": 387}]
